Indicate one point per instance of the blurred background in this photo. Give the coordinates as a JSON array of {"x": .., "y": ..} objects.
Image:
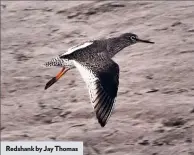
[{"x": 154, "y": 111}]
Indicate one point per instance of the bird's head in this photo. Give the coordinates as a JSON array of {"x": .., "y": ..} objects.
[{"x": 133, "y": 38}]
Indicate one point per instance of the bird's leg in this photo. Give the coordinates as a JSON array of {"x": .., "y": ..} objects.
[{"x": 56, "y": 78}]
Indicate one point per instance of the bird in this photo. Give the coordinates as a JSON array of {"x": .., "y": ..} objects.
[{"x": 93, "y": 59}]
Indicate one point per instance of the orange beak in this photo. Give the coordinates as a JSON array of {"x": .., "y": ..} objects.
[{"x": 56, "y": 78}]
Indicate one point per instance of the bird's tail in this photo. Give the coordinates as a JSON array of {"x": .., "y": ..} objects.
[{"x": 55, "y": 62}]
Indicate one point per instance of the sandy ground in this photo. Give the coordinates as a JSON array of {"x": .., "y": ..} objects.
[{"x": 154, "y": 112}]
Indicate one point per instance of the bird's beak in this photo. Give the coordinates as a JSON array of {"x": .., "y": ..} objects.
[
  {"x": 145, "y": 41},
  {"x": 56, "y": 78}
]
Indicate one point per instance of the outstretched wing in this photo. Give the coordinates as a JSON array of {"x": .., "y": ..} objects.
[
  {"x": 58, "y": 61},
  {"x": 102, "y": 79}
]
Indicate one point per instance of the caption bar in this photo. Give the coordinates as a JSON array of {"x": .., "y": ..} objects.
[{"x": 41, "y": 148}]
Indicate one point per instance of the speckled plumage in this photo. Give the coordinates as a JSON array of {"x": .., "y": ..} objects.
[{"x": 99, "y": 71}]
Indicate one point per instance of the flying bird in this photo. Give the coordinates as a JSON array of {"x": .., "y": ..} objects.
[{"x": 100, "y": 73}]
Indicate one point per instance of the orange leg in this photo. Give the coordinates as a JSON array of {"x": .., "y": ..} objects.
[{"x": 56, "y": 78}]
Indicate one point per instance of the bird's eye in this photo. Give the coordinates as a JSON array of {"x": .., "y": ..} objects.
[{"x": 133, "y": 38}]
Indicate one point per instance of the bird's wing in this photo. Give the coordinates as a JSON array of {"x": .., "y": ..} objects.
[
  {"x": 57, "y": 61},
  {"x": 102, "y": 79},
  {"x": 78, "y": 47}
]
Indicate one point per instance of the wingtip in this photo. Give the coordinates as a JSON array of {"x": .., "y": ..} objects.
[{"x": 102, "y": 124}]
